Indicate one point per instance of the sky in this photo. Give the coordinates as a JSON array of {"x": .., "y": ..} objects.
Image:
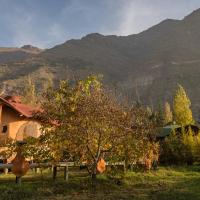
[{"x": 46, "y": 23}]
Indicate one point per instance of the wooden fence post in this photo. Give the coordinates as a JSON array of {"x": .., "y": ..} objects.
[
  {"x": 54, "y": 172},
  {"x": 66, "y": 173},
  {"x": 124, "y": 166}
]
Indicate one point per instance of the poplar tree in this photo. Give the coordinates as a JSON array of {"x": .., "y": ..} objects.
[
  {"x": 159, "y": 114},
  {"x": 29, "y": 95},
  {"x": 167, "y": 113},
  {"x": 181, "y": 107}
]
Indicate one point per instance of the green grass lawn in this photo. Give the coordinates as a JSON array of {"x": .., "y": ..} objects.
[{"x": 168, "y": 183}]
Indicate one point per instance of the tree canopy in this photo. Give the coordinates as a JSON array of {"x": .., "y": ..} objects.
[
  {"x": 168, "y": 116},
  {"x": 89, "y": 123},
  {"x": 181, "y": 106}
]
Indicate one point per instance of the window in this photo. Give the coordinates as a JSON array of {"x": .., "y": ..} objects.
[{"x": 4, "y": 129}]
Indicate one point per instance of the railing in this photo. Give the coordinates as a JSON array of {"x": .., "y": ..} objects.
[
  {"x": 65, "y": 165},
  {"x": 60, "y": 164}
]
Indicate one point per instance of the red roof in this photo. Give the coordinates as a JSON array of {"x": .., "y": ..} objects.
[{"x": 15, "y": 103}]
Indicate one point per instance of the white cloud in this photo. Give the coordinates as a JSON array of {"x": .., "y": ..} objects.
[
  {"x": 57, "y": 34},
  {"x": 26, "y": 30},
  {"x": 23, "y": 31},
  {"x": 21, "y": 24},
  {"x": 137, "y": 16},
  {"x": 78, "y": 17}
]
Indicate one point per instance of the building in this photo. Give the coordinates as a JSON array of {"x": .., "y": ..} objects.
[
  {"x": 169, "y": 129},
  {"x": 17, "y": 119}
]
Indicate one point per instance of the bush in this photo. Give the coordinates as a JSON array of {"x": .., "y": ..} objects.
[{"x": 182, "y": 148}]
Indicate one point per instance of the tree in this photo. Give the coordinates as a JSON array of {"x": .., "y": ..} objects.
[
  {"x": 181, "y": 106},
  {"x": 189, "y": 142},
  {"x": 159, "y": 115},
  {"x": 181, "y": 147},
  {"x": 30, "y": 96},
  {"x": 36, "y": 149},
  {"x": 84, "y": 123},
  {"x": 87, "y": 122},
  {"x": 197, "y": 148},
  {"x": 168, "y": 117},
  {"x": 138, "y": 142},
  {"x": 172, "y": 150},
  {"x": 7, "y": 148}
]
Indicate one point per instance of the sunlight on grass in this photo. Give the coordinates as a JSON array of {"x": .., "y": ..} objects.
[{"x": 165, "y": 183}]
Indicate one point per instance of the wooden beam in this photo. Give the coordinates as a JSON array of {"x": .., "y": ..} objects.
[
  {"x": 60, "y": 164},
  {"x": 54, "y": 172},
  {"x": 66, "y": 173},
  {"x": 1, "y": 106}
]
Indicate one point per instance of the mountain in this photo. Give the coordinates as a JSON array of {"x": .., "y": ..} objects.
[{"x": 145, "y": 67}]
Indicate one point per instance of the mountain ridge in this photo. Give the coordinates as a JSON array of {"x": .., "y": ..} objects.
[{"x": 167, "y": 53}]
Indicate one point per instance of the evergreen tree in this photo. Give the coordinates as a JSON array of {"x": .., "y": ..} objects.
[
  {"x": 167, "y": 113},
  {"x": 181, "y": 106}
]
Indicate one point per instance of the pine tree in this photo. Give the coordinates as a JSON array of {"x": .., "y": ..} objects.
[
  {"x": 167, "y": 113},
  {"x": 181, "y": 106}
]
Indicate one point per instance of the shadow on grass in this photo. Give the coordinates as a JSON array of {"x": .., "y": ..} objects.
[
  {"x": 164, "y": 184},
  {"x": 35, "y": 188},
  {"x": 187, "y": 189}
]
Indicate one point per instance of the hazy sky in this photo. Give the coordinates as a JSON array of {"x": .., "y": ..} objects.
[{"x": 45, "y": 23}]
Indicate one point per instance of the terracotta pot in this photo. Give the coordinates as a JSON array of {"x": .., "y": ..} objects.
[
  {"x": 101, "y": 165},
  {"x": 20, "y": 165}
]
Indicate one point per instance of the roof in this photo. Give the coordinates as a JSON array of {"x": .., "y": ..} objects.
[
  {"x": 15, "y": 103},
  {"x": 165, "y": 131}
]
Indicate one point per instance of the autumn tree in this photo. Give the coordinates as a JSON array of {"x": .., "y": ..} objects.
[
  {"x": 36, "y": 149},
  {"x": 159, "y": 116},
  {"x": 86, "y": 122},
  {"x": 181, "y": 106},
  {"x": 139, "y": 142},
  {"x": 8, "y": 147},
  {"x": 168, "y": 116}
]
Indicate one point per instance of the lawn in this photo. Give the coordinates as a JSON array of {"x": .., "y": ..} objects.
[{"x": 167, "y": 183}]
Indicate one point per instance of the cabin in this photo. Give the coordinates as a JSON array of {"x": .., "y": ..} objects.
[
  {"x": 169, "y": 129},
  {"x": 17, "y": 119}
]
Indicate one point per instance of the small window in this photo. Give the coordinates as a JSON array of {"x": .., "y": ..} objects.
[{"x": 4, "y": 129}]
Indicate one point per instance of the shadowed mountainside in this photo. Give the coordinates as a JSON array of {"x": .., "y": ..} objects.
[{"x": 147, "y": 66}]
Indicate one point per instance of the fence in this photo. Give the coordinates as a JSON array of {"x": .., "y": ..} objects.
[{"x": 64, "y": 165}]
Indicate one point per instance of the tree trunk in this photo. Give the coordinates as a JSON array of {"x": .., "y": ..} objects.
[
  {"x": 18, "y": 180},
  {"x": 94, "y": 171},
  {"x": 94, "y": 176}
]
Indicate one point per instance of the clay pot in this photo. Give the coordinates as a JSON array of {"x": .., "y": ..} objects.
[
  {"x": 20, "y": 165},
  {"x": 101, "y": 165}
]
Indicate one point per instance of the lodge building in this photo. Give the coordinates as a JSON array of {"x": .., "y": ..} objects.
[{"x": 17, "y": 119}]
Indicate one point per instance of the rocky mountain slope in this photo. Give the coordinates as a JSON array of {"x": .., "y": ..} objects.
[{"x": 145, "y": 66}]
